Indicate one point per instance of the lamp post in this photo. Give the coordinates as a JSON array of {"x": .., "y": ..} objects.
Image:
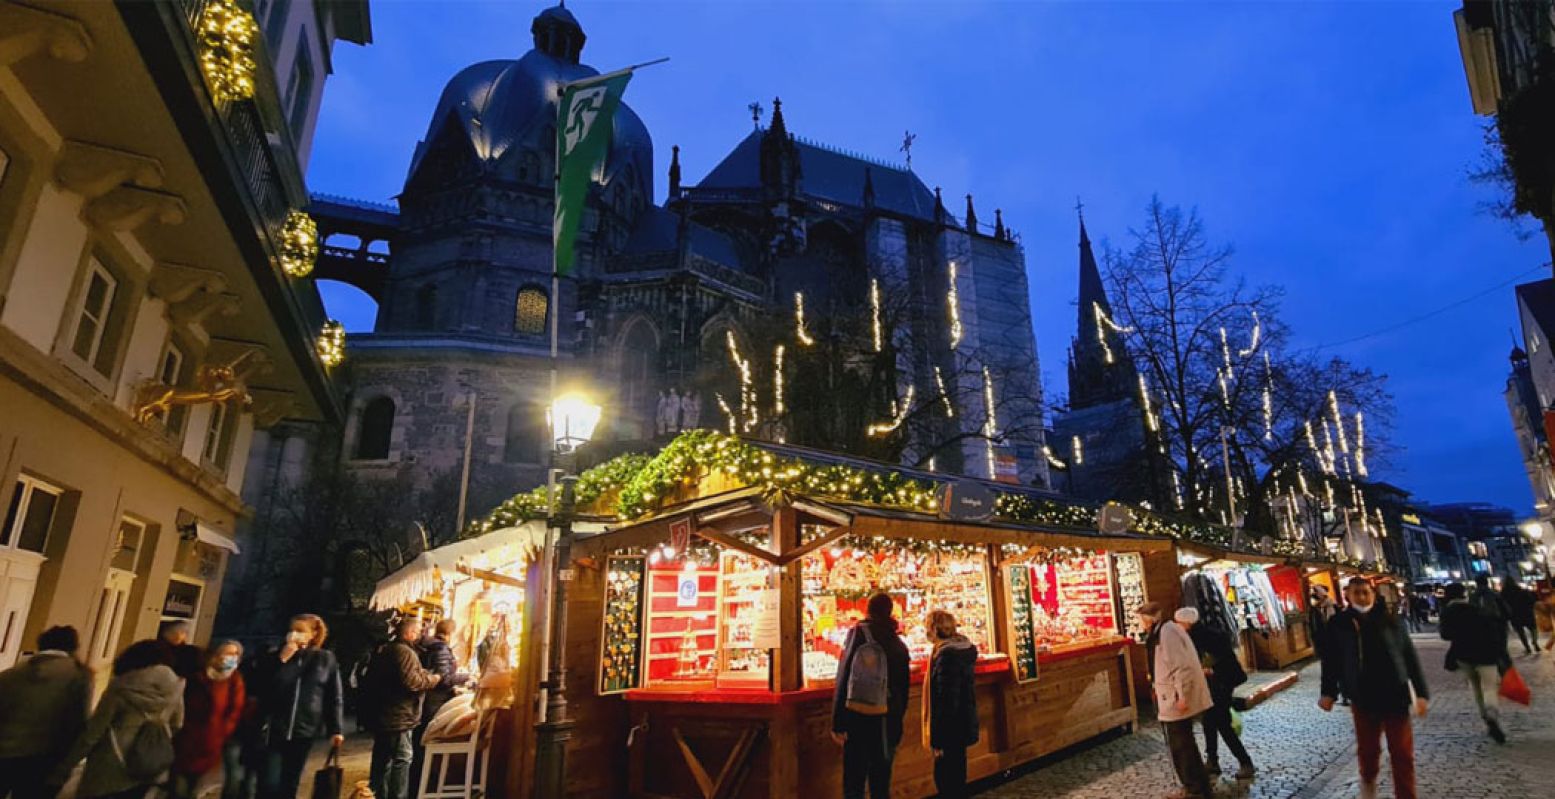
[
  {"x": 1534, "y": 531},
  {"x": 573, "y": 418}
]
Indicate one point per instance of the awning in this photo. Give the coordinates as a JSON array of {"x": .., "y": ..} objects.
[
  {"x": 206, "y": 534},
  {"x": 492, "y": 551}
]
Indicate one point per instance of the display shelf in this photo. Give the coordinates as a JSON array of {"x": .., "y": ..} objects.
[{"x": 621, "y": 642}]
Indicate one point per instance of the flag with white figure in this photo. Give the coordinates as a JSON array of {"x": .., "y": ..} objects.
[{"x": 583, "y": 131}]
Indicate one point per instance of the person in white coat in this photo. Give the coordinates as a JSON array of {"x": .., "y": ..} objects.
[{"x": 1181, "y": 695}]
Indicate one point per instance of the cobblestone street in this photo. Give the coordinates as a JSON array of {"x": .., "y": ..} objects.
[{"x": 1303, "y": 753}]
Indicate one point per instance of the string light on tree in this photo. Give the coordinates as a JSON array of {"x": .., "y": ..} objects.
[
  {"x": 748, "y": 413},
  {"x": 1268, "y": 396},
  {"x": 1333, "y": 408},
  {"x": 1077, "y": 450},
  {"x": 777, "y": 381},
  {"x": 898, "y": 415},
  {"x": 939, "y": 384},
  {"x": 1254, "y": 339},
  {"x": 954, "y": 299},
  {"x": 799, "y": 324},
  {"x": 1104, "y": 323},
  {"x": 874, "y": 314},
  {"x": 1144, "y": 400},
  {"x": 991, "y": 421},
  {"x": 1052, "y": 460},
  {"x": 1360, "y": 444},
  {"x": 728, "y": 413}
]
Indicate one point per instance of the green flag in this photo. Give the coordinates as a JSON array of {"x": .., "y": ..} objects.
[{"x": 583, "y": 127}]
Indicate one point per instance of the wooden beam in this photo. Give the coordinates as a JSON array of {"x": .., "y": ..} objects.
[
  {"x": 730, "y": 542},
  {"x": 492, "y": 577},
  {"x": 813, "y": 544},
  {"x": 698, "y": 773},
  {"x": 787, "y": 661}
]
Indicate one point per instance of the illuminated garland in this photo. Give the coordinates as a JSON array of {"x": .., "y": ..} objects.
[
  {"x": 331, "y": 344},
  {"x": 874, "y": 314},
  {"x": 224, "y": 40},
  {"x": 954, "y": 299},
  {"x": 299, "y": 245},
  {"x": 592, "y": 485},
  {"x": 799, "y": 326}
]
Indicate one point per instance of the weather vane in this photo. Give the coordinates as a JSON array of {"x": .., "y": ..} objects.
[
  {"x": 908, "y": 137},
  {"x": 755, "y": 109}
]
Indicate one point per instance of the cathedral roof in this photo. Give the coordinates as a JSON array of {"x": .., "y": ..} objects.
[
  {"x": 503, "y": 108},
  {"x": 657, "y": 229},
  {"x": 830, "y": 175}
]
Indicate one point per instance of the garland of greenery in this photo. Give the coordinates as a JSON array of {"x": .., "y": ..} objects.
[{"x": 642, "y": 483}]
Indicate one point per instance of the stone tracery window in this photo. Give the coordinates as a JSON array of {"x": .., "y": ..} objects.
[{"x": 529, "y": 311}]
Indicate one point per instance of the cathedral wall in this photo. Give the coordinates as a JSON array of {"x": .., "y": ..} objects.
[{"x": 1002, "y": 318}]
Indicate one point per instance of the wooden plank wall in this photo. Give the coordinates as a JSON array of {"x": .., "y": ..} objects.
[{"x": 596, "y": 756}]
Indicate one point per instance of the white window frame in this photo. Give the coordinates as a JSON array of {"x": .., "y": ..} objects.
[
  {"x": 94, "y": 268},
  {"x": 214, "y": 433},
  {"x": 29, "y": 486},
  {"x": 194, "y": 618},
  {"x": 168, "y": 377}
]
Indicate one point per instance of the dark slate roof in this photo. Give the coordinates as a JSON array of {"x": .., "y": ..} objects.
[
  {"x": 830, "y": 175},
  {"x": 656, "y": 232},
  {"x": 1539, "y": 296}
]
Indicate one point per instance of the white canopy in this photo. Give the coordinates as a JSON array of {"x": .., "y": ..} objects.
[{"x": 492, "y": 551}]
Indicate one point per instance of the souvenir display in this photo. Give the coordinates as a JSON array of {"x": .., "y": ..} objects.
[
  {"x": 681, "y": 624},
  {"x": 1022, "y": 642},
  {"x": 1130, "y": 568},
  {"x": 1072, "y": 602},
  {"x": 743, "y": 598},
  {"x": 621, "y": 643}
]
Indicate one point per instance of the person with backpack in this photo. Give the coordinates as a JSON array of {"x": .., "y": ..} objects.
[
  {"x": 299, "y": 702},
  {"x": 213, "y": 706},
  {"x": 437, "y": 656},
  {"x": 1519, "y": 603},
  {"x": 391, "y": 708},
  {"x": 44, "y": 702},
  {"x": 1181, "y": 694},
  {"x": 128, "y": 742},
  {"x": 1477, "y": 635},
  {"x": 1224, "y": 673},
  {"x": 870, "y": 700},
  {"x": 949, "y": 704}
]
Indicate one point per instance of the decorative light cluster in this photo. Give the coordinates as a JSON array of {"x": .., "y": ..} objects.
[
  {"x": 331, "y": 343},
  {"x": 593, "y": 485},
  {"x": 799, "y": 324},
  {"x": 299, "y": 244},
  {"x": 225, "y": 38},
  {"x": 899, "y": 411},
  {"x": 874, "y": 314},
  {"x": 1041, "y": 556},
  {"x": 1104, "y": 323},
  {"x": 953, "y": 297}
]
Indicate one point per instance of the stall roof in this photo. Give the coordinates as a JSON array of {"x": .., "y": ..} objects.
[{"x": 498, "y": 548}]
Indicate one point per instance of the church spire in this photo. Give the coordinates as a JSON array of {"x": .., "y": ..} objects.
[
  {"x": 1100, "y": 370},
  {"x": 998, "y": 224},
  {"x": 778, "y": 127},
  {"x": 971, "y": 215},
  {"x": 675, "y": 172}
]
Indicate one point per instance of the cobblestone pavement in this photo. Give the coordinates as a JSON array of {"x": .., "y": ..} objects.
[{"x": 1304, "y": 753}]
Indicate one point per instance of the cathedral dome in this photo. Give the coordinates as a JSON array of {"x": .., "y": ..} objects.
[{"x": 505, "y": 111}]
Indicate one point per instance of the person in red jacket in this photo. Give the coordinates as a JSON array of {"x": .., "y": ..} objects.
[{"x": 213, "y": 706}]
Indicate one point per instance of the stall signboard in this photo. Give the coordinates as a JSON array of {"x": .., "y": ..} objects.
[
  {"x": 620, "y": 657},
  {"x": 965, "y": 501},
  {"x": 1114, "y": 519},
  {"x": 766, "y": 633},
  {"x": 680, "y": 535},
  {"x": 687, "y": 590}
]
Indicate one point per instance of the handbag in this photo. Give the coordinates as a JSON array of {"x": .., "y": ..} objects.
[
  {"x": 328, "y": 780},
  {"x": 1236, "y": 722},
  {"x": 1514, "y": 688}
]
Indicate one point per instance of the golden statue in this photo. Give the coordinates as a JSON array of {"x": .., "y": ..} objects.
[{"x": 215, "y": 383}]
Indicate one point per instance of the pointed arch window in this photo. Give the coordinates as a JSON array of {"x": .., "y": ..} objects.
[
  {"x": 375, "y": 430},
  {"x": 529, "y": 311}
]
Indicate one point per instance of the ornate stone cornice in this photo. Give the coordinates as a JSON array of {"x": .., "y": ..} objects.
[
  {"x": 125, "y": 208},
  {"x": 92, "y": 170},
  {"x": 26, "y": 31}
]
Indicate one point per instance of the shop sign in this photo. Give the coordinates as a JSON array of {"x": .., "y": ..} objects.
[
  {"x": 1006, "y": 468},
  {"x": 688, "y": 590},
  {"x": 182, "y": 601},
  {"x": 965, "y": 501},
  {"x": 1114, "y": 519},
  {"x": 680, "y": 535},
  {"x": 765, "y": 633}
]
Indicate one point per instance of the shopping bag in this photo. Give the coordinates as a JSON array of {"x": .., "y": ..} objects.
[
  {"x": 328, "y": 780},
  {"x": 1236, "y": 722},
  {"x": 1514, "y": 689}
]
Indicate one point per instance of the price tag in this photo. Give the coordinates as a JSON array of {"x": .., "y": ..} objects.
[{"x": 566, "y": 575}]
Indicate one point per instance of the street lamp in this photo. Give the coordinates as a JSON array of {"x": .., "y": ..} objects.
[
  {"x": 572, "y": 418},
  {"x": 1533, "y": 529}
]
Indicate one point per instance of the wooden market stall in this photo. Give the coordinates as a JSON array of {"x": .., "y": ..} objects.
[
  {"x": 703, "y": 639},
  {"x": 1260, "y": 598}
]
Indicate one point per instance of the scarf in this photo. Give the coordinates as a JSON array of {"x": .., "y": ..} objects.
[{"x": 955, "y": 641}]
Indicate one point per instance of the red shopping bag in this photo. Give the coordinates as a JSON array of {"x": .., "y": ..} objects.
[{"x": 1514, "y": 689}]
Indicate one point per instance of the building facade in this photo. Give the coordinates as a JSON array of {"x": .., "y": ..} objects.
[
  {"x": 147, "y": 327},
  {"x": 675, "y": 315},
  {"x": 1491, "y": 537}
]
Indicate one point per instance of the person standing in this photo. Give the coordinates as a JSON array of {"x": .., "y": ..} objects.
[
  {"x": 391, "y": 708},
  {"x": 437, "y": 657},
  {"x": 949, "y": 704},
  {"x": 1519, "y": 603},
  {"x": 185, "y": 658},
  {"x": 1478, "y": 649},
  {"x": 213, "y": 706},
  {"x": 144, "y": 692},
  {"x": 300, "y": 702},
  {"x": 1224, "y": 673},
  {"x": 44, "y": 703},
  {"x": 1181, "y": 694},
  {"x": 1371, "y": 659},
  {"x": 870, "y": 700}
]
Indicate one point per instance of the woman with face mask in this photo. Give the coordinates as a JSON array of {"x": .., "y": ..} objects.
[
  {"x": 213, "y": 706},
  {"x": 300, "y": 702}
]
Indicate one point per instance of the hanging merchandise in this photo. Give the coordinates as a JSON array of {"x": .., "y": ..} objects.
[{"x": 1130, "y": 568}]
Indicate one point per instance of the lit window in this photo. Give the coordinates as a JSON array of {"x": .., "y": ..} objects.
[
  {"x": 30, "y": 516},
  {"x": 529, "y": 311},
  {"x": 92, "y": 315},
  {"x": 218, "y": 437}
]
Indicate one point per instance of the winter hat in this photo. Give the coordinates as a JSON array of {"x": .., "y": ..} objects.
[{"x": 1187, "y": 615}]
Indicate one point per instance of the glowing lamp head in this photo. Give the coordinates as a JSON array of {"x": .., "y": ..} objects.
[
  {"x": 1533, "y": 529},
  {"x": 572, "y": 418}
]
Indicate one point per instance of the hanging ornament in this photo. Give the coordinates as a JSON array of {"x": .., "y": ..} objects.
[
  {"x": 224, "y": 37},
  {"x": 331, "y": 344},
  {"x": 299, "y": 245}
]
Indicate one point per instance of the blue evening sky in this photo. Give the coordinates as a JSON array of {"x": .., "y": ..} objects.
[{"x": 1329, "y": 142}]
